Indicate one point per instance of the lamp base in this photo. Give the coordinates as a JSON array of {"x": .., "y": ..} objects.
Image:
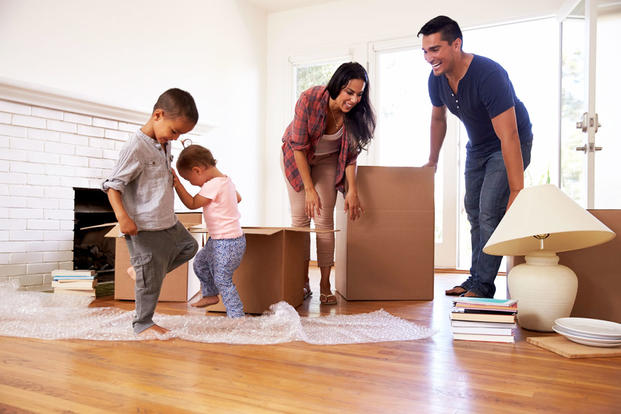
[{"x": 545, "y": 290}]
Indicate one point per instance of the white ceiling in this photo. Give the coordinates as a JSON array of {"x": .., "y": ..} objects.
[{"x": 281, "y": 5}]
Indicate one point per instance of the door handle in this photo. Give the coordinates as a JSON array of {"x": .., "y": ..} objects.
[
  {"x": 583, "y": 125},
  {"x": 591, "y": 148},
  {"x": 587, "y": 123},
  {"x": 595, "y": 123}
]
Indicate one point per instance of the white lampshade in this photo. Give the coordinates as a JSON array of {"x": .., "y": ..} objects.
[
  {"x": 545, "y": 290},
  {"x": 544, "y": 209}
]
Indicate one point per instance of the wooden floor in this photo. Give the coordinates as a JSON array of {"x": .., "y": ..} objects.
[{"x": 425, "y": 376}]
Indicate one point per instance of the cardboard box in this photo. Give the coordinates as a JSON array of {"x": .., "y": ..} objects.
[
  {"x": 272, "y": 269},
  {"x": 599, "y": 272},
  {"x": 180, "y": 285},
  {"x": 388, "y": 253}
]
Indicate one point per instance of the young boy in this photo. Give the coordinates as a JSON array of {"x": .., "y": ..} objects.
[{"x": 141, "y": 193}]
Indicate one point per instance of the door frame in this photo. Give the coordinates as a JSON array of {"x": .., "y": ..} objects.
[{"x": 590, "y": 118}]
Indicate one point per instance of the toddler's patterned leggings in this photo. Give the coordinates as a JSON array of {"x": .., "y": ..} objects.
[{"x": 214, "y": 265}]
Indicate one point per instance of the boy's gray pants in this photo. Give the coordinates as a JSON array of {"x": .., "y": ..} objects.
[{"x": 153, "y": 254}]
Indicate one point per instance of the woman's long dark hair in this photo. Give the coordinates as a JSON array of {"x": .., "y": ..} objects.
[{"x": 361, "y": 119}]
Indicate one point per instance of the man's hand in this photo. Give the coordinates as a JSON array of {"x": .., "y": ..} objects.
[
  {"x": 432, "y": 164},
  {"x": 512, "y": 196}
]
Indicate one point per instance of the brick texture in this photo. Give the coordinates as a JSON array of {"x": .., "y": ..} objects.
[{"x": 46, "y": 152}]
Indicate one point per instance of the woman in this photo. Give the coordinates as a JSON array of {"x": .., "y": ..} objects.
[{"x": 331, "y": 126}]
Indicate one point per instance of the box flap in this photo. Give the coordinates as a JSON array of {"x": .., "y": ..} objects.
[
  {"x": 190, "y": 218},
  {"x": 268, "y": 231},
  {"x": 187, "y": 219},
  {"x": 309, "y": 230},
  {"x": 114, "y": 232},
  {"x": 98, "y": 226}
]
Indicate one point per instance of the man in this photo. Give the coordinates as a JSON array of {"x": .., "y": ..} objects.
[{"x": 478, "y": 91}]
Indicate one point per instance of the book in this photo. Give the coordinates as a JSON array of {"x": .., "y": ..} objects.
[
  {"x": 77, "y": 272},
  {"x": 484, "y": 338},
  {"x": 483, "y": 317},
  {"x": 512, "y": 308},
  {"x": 70, "y": 278},
  {"x": 481, "y": 330},
  {"x": 485, "y": 301},
  {"x": 74, "y": 284},
  {"x": 486, "y": 311},
  {"x": 75, "y": 292},
  {"x": 474, "y": 324}
]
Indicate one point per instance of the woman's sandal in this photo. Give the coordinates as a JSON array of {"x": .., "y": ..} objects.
[
  {"x": 307, "y": 292},
  {"x": 328, "y": 299}
]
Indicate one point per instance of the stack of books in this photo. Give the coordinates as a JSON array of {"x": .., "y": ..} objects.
[
  {"x": 78, "y": 282},
  {"x": 483, "y": 319}
]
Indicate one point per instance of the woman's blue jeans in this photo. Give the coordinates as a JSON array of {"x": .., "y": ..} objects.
[{"x": 487, "y": 194}]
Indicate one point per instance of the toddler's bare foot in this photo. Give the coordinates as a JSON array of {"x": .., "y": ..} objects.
[
  {"x": 155, "y": 329},
  {"x": 205, "y": 301},
  {"x": 131, "y": 272}
]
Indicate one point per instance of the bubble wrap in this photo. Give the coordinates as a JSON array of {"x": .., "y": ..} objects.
[{"x": 65, "y": 316}]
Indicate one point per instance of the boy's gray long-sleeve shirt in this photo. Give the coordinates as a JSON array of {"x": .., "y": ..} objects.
[{"x": 142, "y": 175}]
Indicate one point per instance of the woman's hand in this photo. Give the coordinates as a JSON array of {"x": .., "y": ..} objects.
[
  {"x": 312, "y": 203},
  {"x": 127, "y": 226},
  {"x": 352, "y": 205}
]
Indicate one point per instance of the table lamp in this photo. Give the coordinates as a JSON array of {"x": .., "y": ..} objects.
[{"x": 541, "y": 222}]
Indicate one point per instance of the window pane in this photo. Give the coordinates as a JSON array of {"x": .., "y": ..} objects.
[
  {"x": 404, "y": 109},
  {"x": 313, "y": 75},
  {"x": 404, "y": 114},
  {"x": 572, "y": 106}
]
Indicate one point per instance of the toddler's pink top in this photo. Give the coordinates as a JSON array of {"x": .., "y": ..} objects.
[{"x": 221, "y": 215}]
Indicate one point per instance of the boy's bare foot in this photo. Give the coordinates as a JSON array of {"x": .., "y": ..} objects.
[
  {"x": 205, "y": 301},
  {"x": 131, "y": 272},
  {"x": 155, "y": 329}
]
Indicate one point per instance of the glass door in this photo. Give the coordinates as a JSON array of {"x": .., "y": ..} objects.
[{"x": 588, "y": 64}]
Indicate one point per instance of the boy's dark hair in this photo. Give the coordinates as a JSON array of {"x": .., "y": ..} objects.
[
  {"x": 177, "y": 103},
  {"x": 194, "y": 156},
  {"x": 447, "y": 27},
  {"x": 360, "y": 120}
]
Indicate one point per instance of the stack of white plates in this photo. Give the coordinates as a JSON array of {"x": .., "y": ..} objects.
[{"x": 592, "y": 332}]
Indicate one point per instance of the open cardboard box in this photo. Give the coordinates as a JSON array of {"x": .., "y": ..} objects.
[
  {"x": 180, "y": 285},
  {"x": 272, "y": 269},
  {"x": 599, "y": 272},
  {"x": 388, "y": 253}
]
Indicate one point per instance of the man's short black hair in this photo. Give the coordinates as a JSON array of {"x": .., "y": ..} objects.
[{"x": 447, "y": 27}]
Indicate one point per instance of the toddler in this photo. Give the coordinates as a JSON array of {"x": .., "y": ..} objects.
[
  {"x": 215, "y": 263},
  {"x": 140, "y": 191}
]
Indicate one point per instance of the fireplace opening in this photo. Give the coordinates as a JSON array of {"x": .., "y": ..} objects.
[{"x": 91, "y": 250}]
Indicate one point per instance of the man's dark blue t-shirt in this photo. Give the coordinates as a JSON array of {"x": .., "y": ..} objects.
[{"x": 483, "y": 93}]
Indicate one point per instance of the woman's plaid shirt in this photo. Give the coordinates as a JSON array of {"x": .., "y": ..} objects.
[{"x": 303, "y": 133}]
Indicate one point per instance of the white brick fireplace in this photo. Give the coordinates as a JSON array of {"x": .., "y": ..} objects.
[{"x": 50, "y": 144}]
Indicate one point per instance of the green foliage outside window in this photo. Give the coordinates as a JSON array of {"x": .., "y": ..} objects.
[{"x": 313, "y": 75}]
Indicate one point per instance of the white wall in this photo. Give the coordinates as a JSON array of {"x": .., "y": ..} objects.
[
  {"x": 347, "y": 27},
  {"x": 120, "y": 54},
  {"x": 125, "y": 53}
]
